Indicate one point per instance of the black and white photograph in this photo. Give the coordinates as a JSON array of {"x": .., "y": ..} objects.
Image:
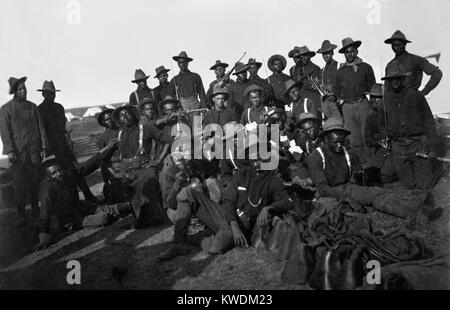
[{"x": 252, "y": 147}]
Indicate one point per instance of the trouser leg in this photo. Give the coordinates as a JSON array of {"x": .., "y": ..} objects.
[
  {"x": 403, "y": 165},
  {"x": 19, "y": 175},
  {"x": 388, "y": 174}
]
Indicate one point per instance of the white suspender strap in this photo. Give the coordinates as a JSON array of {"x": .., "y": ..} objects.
[
  {"x": 305, "y": 105},
  {"x": 347, "y": 158},
  {"x": 141, "y": 138},
  {"x": 119, "y": 135},
  {"x": 319, "y": 149},
  {"x": 232, "y": 160},
  {"x": 248, "y": 115},
  {"x": 136, "y": 96},
  {"x": 266, "y": 108}
]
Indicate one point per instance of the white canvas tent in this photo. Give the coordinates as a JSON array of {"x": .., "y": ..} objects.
[
  {"x": 92, "y": 112},
  {"x": 70, "y": 117},
  {"x": 108, "y": 106}
]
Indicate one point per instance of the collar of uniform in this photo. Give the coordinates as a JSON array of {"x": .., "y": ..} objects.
[
  {"x": 333, "y": 63},
  {"x": 258, "y": 109},
  {"x": 184, "y": 72}
]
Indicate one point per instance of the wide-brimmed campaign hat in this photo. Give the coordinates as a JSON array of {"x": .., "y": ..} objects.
[
  {"x": 100, "y": 116},
  {"x": 169, "y": 99},
  {"x": 252, "y": 88},
  {"x": 289, "y": 84},
  {"x": 48, "y": 86},
  {"x": 276, "y": 57},
  {"x": 146, "y": 101},
  {"x": 139, "y": 75},
  {"x": 219, "y": 90},
  {"x": 349, "y": 42},
  {"x": 14, "y": 84},
  {"x": 160, "y": 70},
  {"x": 394, "y": 70},
  {"x": 303, "y": 117},
  {"x": 182, "y": 55},
  {"x": 327, "y": 46},
  {"x": 132, "y": 109},
  {"x": 376, "y": 90},
  {"x": 334, "y": 124},
  {"x": 219, "y": 64},
  {"x": 304, "y": 50},
  {"x": 252, "y": 61},
  {"x": 293, "y": 51},
  {"x": 240, "y": 67},
  {"x": 50, "y": 160},
  {"x": 397, "y": 35}
]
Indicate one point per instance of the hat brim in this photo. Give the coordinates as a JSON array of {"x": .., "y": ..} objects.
[
  {"x": 310, "y": 53},
  {"x": 132, "y": 109},
  {"x": 166, "y": 101},
  {"x": 325, "y": 132},
  {"x": 162, "y": 72},
  {"x": 99, "y": 117},
  {"x": 141, "y": 104},
  {"x": 330, "y": 48},
  {"x": 141, "y": 79},
  {"x": 13, "y": 88},
  {"x": 50, "y": 90},
  {"x": 188, "y": 59},
  {"x": 276, "y": 57},
  {"x": 296, "y": 84},
  {"x": 223, "y": 65},
  {"x": 299, "y": 122},
  {"x": 227, "y": 95},
  {"x": 258, "y": 64},
  {"x": 356, "y": 44},
  {"x": 244, "y": 69},
  {"x": 391, "y": 40},
  {"x": 51, "y": 162},
  {"x": 248, "y": 91},
  {"x": 406, "y": 74}
]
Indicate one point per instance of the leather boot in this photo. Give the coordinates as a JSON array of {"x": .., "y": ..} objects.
[{"x": 174, "y": 250}]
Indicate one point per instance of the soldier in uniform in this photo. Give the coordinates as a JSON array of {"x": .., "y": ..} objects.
[
  {"x": 276, "y": 64},
  {"x": 162, "y": 90},
  {"x": 219, "y": 69},
  {"x": 255, "y": 79},
  {"x": 237, "y": 89},
  {"x": 142, "y": 91}
]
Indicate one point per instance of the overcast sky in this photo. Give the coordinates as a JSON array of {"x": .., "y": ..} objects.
[{"x": 93, "y": 61}]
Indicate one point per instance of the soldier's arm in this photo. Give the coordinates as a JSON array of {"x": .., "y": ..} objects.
[
  {"x": 5, "y": 131},
  {"x": 230, "y": 197},
  {"x": 42, "y": 131},
  {"x": 201, "y": 91},
  {"x": 435, "y": 75},
  {"x": 429, "y": 123},
  {"x": 158, "y": 135},
  {"x": 370, "y": 78}
]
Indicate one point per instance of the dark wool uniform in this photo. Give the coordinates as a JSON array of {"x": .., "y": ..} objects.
[
  {"x": 417, "y": 65},
  {"x": 23, "y": 133},
  {"x": 413, "y": 129},
  {"x": 332, "y": 175},
  {"x": 300, "y": 73},
  {"x": 225, "y": 86},
  {"x": 330, "y": 108},
  {"x": 250, "y": 191},
  {"x": 277, "y": 81},
  {"x": 54, "y": 119},
  {"x": 140, "y": 94},
  {"x": 221, "y": 118},
  {"x": 267, "y": 94},
  {"x": 188, "y": 88},
  {"x": 303, "y": 105},
  {"x": 351, "y": 87},
  {"x": 237, "y": 92},
  {"x": 161, "y": 91},
  {"x": 329, "y": 73}
]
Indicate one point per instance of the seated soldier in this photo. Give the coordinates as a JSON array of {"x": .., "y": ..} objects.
[
  {"x": 331, "y": 167},
  {"x": 380, "y": 160},
  {"x": 219, "y": 114},
  {"x": 257, "y": 112},
  {"x": 135, "y": 174},
  {"x": 59, "y": 198},
  {"x": 253, "y": 197}
]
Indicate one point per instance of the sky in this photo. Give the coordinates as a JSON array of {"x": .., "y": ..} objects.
[{"x": 92, "y": 56}]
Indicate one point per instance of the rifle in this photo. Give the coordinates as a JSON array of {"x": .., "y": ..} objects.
[
  {"x": 426, "y": 156},
  {"x": 384, "y": 143},
  {"x": 227, "y": 75}
]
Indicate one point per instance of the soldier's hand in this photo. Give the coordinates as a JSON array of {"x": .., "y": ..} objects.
[
  {"x": 43, "y": 153},
  {"x": 238, "y": 237},
  {"x": 263, "y": 217},
  {"x": 297, "y": 156},
  {"x": 12, "y": 157}
]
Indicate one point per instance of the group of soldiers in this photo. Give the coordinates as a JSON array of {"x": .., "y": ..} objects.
[{"x": 340, "y": 134}]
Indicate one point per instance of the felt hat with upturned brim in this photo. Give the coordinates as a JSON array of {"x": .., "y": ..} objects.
[
  {"x": 146, "y": 101},
  {"x": 219, "y": 91},
  {"x": 139, "y": 75},
  {"x": 303, "y": 117},
  {"x": 252, "y": 61},
  {"x": 240, "y": 67},
  {"x": 169, "y": 99},
  {"x": 51, "y": 160},
  {"x": 397, "y": 35},
  {"x": 334, "y": 124},
  {"x": 326, "y": 47},
  {"x": 48, "y": 86},
  {"x": 376, "y": 90},
  {"x": 182, "y": 55},
  {"x": 395, "y": 70},
  {"x": 14, "y": 84},
  {"x": 219, "y": 64},
  {"x": 347, "y": 42},
  {"x": 252, "y": 88},
  {"x": 276, "y": 57},
  {"x": 160, "y": 70},
  {"x": 100, "y": 116},
  {"x": 304, "y": 50},
  {"x": 293, "y": 51},
  {"x": 289, "y": 84},
  {"x": 132, "y": 109}
]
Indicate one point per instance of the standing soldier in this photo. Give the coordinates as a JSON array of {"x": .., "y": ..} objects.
[
  {"x": 142, "y": 91},
  {"x": 254, "y": 79},
  {"x": 412, "y": 128},
  {"x": 162, "y": 90},
  {"x": 219, "y": 68},
  {"x": 294, "y": 54},
  {"x": 329, "y": 105},
  {"x": 277, "y": 64},
  {"x": 414, "y": 64},
  {"x": 353, "y": 80},
  {"x": 187, "y": 86},
  {"x": 25, "y": 142},
  {"x": 237, "y": 89}
]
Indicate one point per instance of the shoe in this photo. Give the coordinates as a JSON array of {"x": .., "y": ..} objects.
[{"x": 175, "y": 249}]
